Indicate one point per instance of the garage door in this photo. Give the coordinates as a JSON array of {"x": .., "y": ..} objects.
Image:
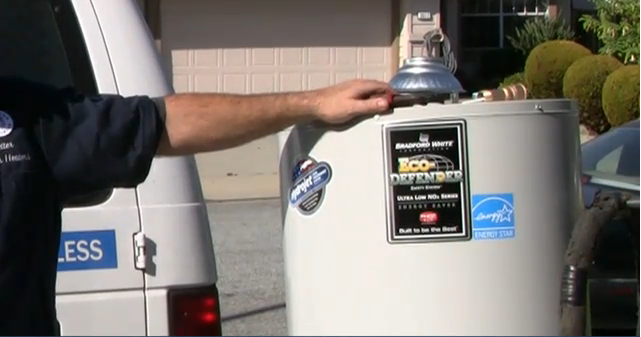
[{"x": 254, "y": 46}]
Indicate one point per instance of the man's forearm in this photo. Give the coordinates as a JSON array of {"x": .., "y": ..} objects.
[{"x": 210, "y": 122}]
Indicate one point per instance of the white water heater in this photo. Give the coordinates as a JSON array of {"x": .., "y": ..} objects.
[{"x": 444, "y": 219}]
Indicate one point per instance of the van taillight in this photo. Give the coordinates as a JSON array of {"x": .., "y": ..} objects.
[
  {"x": 585, "y": 178},
  {"x": 194, "y": 312}
]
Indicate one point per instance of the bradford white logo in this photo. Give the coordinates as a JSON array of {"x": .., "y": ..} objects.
[
  {"x": 424, "y": 143},
  {"x": 309, "y": 181}
]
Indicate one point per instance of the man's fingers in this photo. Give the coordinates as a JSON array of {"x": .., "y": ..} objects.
[
  {"x": 371, "y": 96},
  {"x": 372, "y": 105},
  {"x": 368, "y": 88},
  {"x": 355, "y": 98}
]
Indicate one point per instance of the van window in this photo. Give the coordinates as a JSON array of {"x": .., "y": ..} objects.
[{"x": 41, "y": 40}]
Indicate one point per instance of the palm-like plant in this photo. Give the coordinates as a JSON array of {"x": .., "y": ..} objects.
[{"x": 539, "y": 30}]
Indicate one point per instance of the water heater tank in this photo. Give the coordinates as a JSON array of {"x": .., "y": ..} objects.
[{"x": 445, "y": 219}]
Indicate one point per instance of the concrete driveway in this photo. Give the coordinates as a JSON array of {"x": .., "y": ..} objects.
[
  {"x": 245, "y": 172},
  {"x": 248, "y": 244}
]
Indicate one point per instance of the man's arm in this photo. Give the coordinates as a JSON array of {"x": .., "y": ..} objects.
[
  {"x": 96, "y": 142},
  {"x": 209, "y": 122}
]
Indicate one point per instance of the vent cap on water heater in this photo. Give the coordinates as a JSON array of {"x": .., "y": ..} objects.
[{"x": 431, "y": 74}]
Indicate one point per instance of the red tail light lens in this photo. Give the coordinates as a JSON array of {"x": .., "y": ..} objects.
[
  {"x": 585, "y": 179},
  {"x": 623, "y": 291},
  {"x": 194, "y": 312}
]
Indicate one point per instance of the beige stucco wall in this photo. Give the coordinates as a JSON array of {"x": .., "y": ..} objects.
[
  {"x": 259, "y": 51},
  {"x": 410, "y": 44}
]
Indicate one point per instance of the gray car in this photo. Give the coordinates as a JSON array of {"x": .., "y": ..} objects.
[{"x": 610, "y": 162}]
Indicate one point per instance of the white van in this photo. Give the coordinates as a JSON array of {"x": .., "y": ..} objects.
[{"x": 131, "y": 261}]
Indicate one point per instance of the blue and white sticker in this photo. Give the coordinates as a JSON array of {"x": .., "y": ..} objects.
[
  {"x": 87, "y": 250},
  {"x": 309, "y": 179},
  {"x": 493, "y": 216},
  {"x": 6, "y": 124}
]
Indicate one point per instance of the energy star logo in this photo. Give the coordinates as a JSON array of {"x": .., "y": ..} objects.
[{"x": 493, "y": 216}]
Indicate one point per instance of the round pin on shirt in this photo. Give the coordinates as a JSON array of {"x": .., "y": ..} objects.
[{"x": 6, "y": 124}]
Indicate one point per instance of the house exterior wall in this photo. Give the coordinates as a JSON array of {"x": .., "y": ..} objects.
[
  {"x": 417, "y": 18},
  {"x": 248, "y": 46},
  {"x": 409, "y": 21}
]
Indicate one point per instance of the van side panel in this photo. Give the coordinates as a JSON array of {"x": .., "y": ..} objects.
[
  {"x": 99, "y": 291},
  {"x": 157, "y": 307},
  {"x": 172, "y": 210},
  {"x": 102, "y": 314},
  {"x": 103, "y": 72},
  {"x": 136, "y": 63}
]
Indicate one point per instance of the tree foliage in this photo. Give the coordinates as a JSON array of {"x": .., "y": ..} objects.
[
  {"x": 539, "y": 30},
  {"x": 616, "y": 24}
]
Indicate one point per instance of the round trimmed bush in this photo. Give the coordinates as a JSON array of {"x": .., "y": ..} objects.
[
  {"x": 583, "y": 82},
  {"x": 513, "y": 79},
  {"x": 546, "y": 65},
  {"x": 620, "y": 96}
]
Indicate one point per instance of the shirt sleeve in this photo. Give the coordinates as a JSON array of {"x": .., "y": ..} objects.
[{"x": 96, "y": 142}]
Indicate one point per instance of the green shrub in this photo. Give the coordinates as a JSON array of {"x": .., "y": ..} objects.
[
  {"x": 620, "y": 95},
  {"x": 583, "y": 82},
  {"x": 538, "y": 30},
  {"x": 616, "y": 24},
  {"x": 546, "y": 65},
  {"x": 513, "y": 79}
]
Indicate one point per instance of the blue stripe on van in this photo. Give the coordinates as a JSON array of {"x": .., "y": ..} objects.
[{"x": 87, "y": 250}]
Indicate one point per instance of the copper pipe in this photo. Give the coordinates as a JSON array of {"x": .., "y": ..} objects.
[{"x": 509, "y": 93}]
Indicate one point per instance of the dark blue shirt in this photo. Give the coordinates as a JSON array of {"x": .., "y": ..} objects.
[{"x": 56, "y": 144}]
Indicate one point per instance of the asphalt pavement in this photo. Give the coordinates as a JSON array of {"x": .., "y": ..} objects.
[{"x": 248, "y": 246}]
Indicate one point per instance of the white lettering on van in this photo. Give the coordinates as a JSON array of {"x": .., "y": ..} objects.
[
  {"x": 82, "y": 250},
  {"x": 96, "y": 250},
  {"x": 69, "y": 251}
]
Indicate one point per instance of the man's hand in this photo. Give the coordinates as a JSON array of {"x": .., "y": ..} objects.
[{"x": 342, "y": 102}]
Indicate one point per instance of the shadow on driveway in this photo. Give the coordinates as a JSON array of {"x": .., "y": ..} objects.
[{"x": 257, "y": 311}]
